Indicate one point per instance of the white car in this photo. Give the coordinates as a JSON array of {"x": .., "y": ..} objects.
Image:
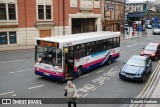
[
  {"x": 149, "y": 26},
  {"x": 156, "y": 31}
]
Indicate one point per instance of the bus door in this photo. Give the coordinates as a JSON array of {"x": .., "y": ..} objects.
[{"x": 69, "y": 62}]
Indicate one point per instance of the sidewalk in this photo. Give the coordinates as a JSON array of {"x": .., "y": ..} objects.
[
  {"x": 155, "y": 92},
  {"x": 137, "y": 34},
  {"x": 16, "y": 48}
]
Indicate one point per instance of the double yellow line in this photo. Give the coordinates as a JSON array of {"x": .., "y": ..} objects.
[{"x": 149, "y": 84}]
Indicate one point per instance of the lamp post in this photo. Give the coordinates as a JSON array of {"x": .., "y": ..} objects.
[{"x": 124, "y": 18}]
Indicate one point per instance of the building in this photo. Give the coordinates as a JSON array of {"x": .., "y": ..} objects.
[
  {"x": 113, "y": 19},
  {"x": 139, "y": 11},
  {"x": 157, "y": 2},
  {"x": 21, "y": 21}
]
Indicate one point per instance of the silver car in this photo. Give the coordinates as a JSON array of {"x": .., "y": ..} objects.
[{"x": 156, "y": 31}]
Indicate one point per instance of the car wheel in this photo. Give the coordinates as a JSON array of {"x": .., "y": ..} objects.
[
  {"x": 144, "y": 78},
  {"x": 109, "y": 60},
  {"x": 156, "y": 58},
  {"x": 79, "y": 71}
]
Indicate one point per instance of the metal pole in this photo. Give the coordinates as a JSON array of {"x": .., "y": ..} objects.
[{"x": 124, "y": 19}]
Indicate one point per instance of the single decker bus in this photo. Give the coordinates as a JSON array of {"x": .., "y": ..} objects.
[{"x": 68, "y": 56}]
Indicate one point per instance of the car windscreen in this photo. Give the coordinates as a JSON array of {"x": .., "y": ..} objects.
[
  {"x": 151, "y": 48},
  {"x": 136, "y": 62}
]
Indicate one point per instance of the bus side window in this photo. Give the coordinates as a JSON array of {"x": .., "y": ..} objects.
[
  {"x": 109, "y": 43},
  {"x": 118, "y": 41},
  {"x": 96, "y": 46},
  {"x": 70, "y": 52},
  {"x": 104, "y": 45},
  {"x": 114, "y": 42},
  {"x": 88, "y": 49},
  {"x": 92, "y": 47},
  {"x": 77, "y": 49}
]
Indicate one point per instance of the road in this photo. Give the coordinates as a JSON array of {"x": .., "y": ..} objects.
[{"x": 17, "y": 78}]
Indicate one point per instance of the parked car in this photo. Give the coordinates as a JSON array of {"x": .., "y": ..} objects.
[
  {"x": 149, "y": 26},
  {"x": 152, "y": 50},
  {"x": 136, "y": 68},
  {"x": 156, "y": 31}
]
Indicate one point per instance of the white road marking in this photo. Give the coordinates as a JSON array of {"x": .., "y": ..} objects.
[
  {"x": 85, "y": 95},
  {"x": 35, "y": 87},
  {"x": 21, "y": 71},
  {"x": 84, "y": 75},
  {"x": 137, "y": 48},
  {"x": 7, "y": 93},
  {"x": 14, "y": 95},
  {"x": 100, "y": 71},
  {"x": 13, "y": 61},
  {"x": 131, "y": 45},
  {"x": 94, "y": 88},
  {"x": 102, "y": 83}
]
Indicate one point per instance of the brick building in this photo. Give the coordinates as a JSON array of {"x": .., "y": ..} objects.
[
  {"x": 21, "y": 21},
  {"x": 113, "y": 19}
]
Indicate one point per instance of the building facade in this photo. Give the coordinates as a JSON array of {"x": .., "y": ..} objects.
[
  {"x": 157, "y": 2},
  {"x": 113, "y": 15},
  {"x": 21, "y": 21}
]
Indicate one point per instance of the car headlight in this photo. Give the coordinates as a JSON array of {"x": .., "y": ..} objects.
[
  {"x": 138, "y": 75},
  {"x": 122, "y": 72},
  {"x": 142, "y": 53},
  {"x": 153, "y": 54}
]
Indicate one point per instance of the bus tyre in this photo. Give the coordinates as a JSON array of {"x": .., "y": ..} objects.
[
  {"x": 79, "y": 71},
  {"x": 109, "y": 60}
]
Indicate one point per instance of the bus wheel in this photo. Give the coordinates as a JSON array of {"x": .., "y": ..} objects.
[
  {"x": 79, "y": 71},
  {"x": 109, "y": 60}
]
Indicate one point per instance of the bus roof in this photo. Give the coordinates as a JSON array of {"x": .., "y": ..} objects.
[{"x": 72, "y": 39}]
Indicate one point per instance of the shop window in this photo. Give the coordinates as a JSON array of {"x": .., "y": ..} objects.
[
  {"x": 3, "y": 38},
  {"x": 12, "y": 38}
]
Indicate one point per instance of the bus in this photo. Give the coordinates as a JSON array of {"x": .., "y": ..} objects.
[{"x": 68, "y": 56}]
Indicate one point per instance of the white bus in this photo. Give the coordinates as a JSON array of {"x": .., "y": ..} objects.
[{"x": 68, "y": 56}]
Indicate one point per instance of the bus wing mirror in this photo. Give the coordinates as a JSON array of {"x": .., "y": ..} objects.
[{"x": 65, "y": 50}]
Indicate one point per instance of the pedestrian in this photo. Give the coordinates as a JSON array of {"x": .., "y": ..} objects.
[{"x": 71, "y": 93}]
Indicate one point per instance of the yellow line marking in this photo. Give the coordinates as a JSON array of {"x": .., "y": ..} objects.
[{"x": 148, "y": 85}]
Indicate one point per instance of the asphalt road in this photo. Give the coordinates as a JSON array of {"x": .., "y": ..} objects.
[{"x": 17, "y": 78}]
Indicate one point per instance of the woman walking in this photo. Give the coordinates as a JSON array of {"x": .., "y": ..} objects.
[{"x": 71, "y": 93}]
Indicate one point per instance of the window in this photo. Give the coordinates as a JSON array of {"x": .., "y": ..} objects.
[
  {"x": 3, "y": 38},
  {"x": 40, "y": 12},
  {"x": 12, "y": 37},
  {"x": 48, "y": 12},
  {"x": 7, "y": 11},
  {"x": 3, "y": 11},
  {"x": 109, "y": 43},
  {"x": 12, "y": 11},
  {"x": 44, "y": 12},
  {"x": 70, "y": 50}
]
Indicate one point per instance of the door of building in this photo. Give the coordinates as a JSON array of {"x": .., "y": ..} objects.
[{"x": 45, "y": 33}]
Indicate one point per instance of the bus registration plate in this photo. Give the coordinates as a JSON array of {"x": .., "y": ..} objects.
[{"x": 46, "y": 74}]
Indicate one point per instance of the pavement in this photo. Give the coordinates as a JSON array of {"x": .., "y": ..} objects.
[{"x": 12, "y": 48}]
